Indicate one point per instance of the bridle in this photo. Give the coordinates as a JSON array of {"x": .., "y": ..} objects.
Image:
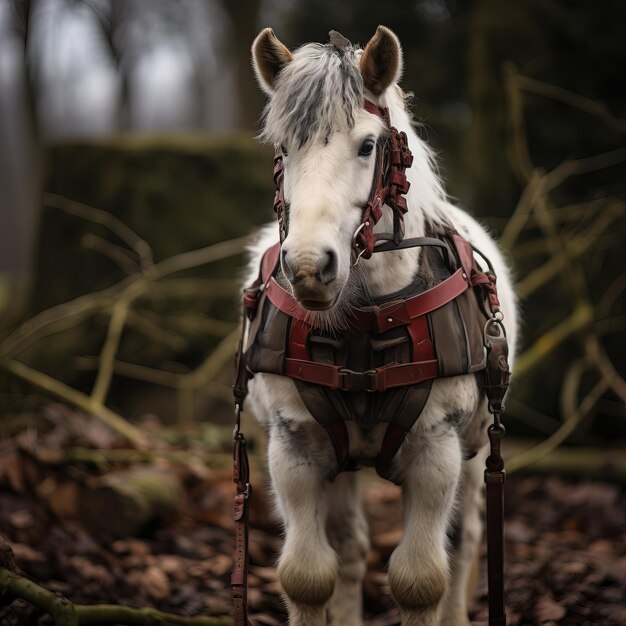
[{"x": 389, "y": 186}]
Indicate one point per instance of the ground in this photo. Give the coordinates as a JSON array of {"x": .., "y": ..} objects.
[{"x": 565, "y": 544}]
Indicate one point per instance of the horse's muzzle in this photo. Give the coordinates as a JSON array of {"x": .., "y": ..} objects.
[{"x": 312, "y": 278}]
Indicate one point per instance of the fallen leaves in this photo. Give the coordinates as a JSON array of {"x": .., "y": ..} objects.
[{"x": 565, "y": 541}]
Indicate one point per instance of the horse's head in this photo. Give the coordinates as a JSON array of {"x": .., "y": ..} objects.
[{"x": 315, "y": 117}]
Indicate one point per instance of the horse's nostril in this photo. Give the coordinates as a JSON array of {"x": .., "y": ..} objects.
[{"x": 328, "y": 267}]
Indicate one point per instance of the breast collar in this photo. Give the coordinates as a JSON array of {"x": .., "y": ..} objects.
[{"x": 408, "y": 312}]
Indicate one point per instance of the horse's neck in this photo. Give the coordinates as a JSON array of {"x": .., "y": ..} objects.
[{"x": 387, "y": 272}]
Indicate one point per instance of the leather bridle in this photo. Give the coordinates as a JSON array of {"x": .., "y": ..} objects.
[{"x": 389, "y": 186}]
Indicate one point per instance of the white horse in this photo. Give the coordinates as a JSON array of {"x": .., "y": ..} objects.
[{"x": 315, "y": 114}]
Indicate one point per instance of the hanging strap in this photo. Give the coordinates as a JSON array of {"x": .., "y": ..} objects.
[
  {"x": 496, "y": 384},
  {"x": 241, "y": 478},
  {"x": 239, "y": 575}
]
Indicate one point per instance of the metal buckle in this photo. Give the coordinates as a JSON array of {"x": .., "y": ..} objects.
[{"x": 357, "y": 381}]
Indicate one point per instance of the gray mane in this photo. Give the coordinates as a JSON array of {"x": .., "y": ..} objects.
[{"x": 320, "y": 90}]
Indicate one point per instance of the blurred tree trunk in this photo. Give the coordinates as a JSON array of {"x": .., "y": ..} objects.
[
  {"x": 20, "y": 161},
  {"x": 244, "y": 17},
  {"x": 495, "y": 26}
]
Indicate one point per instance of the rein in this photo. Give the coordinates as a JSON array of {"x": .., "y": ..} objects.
[{"x": 389, "y": 186}]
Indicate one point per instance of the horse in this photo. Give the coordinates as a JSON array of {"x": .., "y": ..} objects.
[{"x": 327, "y": 142}]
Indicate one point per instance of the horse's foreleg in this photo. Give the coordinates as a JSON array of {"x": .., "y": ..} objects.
[
  {"x": 465, "y": 533},
  {"x": 307, "y": 568},
  {"x": 348, "y": 535},
  {"x": 418, "y": 568}
]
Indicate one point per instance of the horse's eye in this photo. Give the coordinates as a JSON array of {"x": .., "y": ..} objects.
[
  {"x": 367, "y": 147},
  {"x": 283, "y": 149}
]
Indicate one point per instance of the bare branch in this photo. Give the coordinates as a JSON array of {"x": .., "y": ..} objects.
[
  {"x": 66, "y": 613},
  {"x": 77, "y": 398},
  {"x": 574, "y": 100},
  {"x": 580, "y": 319},
  {"x": 106, "y": 219},
  {"x": 122, "y": 257},
  {"x": 572, "y": 422}
]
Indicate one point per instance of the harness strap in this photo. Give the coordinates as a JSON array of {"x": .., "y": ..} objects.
[
  {"x": 385, "y": 242},
  {"x": 241, "y": 511},
  {"x": 496, "y": 384},
  {"x": 414, "y": 403},
  {"x": 378, "y": 379},
  {"x": 329, "y": 418},
  {"x": 381, "y": 318}
]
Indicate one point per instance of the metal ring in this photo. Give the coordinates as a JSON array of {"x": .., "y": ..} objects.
[
  {"x": 357, "y": 231},
  {"x": 498, "y": 315},
  {"x": 355, "y": 245},
  {"x": 490, "y": 323}
]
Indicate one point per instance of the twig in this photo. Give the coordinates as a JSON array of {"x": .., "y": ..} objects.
[
  {"x": 545, "y": 424},
  {"x": 62, "y": 611},
  {"x": 106, "y": 219},
  {"x": 199, "y": 324},
  {"x": 144, "y": 322},
  {"x": 104, "y": 458},
  {"x": 146, "y": 374},
  {"x": 188, "y": 287},
  {"x": 596, "y": 353},
  {"x": 525, "y": 459},
  {"x": 163, "y": 378},
  {"x": 109, "y": 350},
  {"x": 570, "y": 251},
  {"x": 75, "y": 397},
  {"x": 577, "y": 462},
  {"x": 519, "y": 155},
  {"x": 580, "y": 319},
  {"x": 213, "y": 363},
  {"x": 120, "y": 256},
  {"x": 66, "y": 613},
  {"x": 615, "y": 290},
  {"x": 554, "y": 92},
  {"x": 574, "y": 167},
  {"x": 59, "y": 318},
  {"x": 69, "y": 313},
  {"x": 522, "y": 211}
]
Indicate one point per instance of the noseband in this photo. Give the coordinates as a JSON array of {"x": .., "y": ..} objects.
[{"x": 389, "y": 185}]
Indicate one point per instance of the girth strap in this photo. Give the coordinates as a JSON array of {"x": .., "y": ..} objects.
[
  {"x": 412, "y": 407},
  {"x": 322, "y": 406}
]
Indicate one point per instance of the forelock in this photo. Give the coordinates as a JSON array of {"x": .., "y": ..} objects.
[{"x": 319, "y": 91}]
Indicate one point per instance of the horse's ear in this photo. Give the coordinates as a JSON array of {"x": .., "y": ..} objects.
[
  {"x": 381, "y": 61},
  {"x": 269, "y": 56}
]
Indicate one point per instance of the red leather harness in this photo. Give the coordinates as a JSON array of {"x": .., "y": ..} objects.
[
  {"x": 408, "y": 313},
  {"x": 468, "y": 292}
]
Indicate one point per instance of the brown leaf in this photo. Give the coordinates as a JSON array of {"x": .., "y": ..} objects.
[
  {"x": 547, "y": 610},
  {"x": 11, "y": 472},
  {"x": 91, "y": 571},
  {"x": 152, "y": 581}
]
